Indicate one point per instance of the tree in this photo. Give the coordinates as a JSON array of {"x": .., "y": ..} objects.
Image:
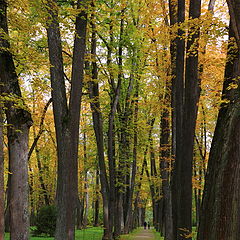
[
  {"x": 66, "y": 116},
  {"x": 187, "y": 97},
  {"x": 19, "y": 121},
  {"x": 220, "y": 208}
]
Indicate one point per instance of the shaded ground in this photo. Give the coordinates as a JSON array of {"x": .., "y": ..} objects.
[{"x": 144, "y": 234}]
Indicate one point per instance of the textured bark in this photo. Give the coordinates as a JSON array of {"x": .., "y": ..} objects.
[
  {"x": 178, "y": 64},
  {"x": 1, "y": 178},
  {"x": 18, "y": 166},
  {"x": 234, "y": 7},
  {"x": 19, "y": 122},
  {"x": 123, "y": 192},
  {"x": 129, "y": 215},
  {"x": 114, "y": 205},
  {"x": 98, "y": 130},
  {"x": 79, "y": 215},
  {"x": 96, "y": 204},
  {"x": 66, "y": 117},
  {"x": 191, "y": 98},
  {"x": 165, "y": 165},
  {"x": 220, "y": 208},
  {"x": 186, "y": 100}
]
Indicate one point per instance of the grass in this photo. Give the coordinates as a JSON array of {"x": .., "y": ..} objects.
[
  {"x": 94, "y": 233},
  {"x": 157, "y": 235}
]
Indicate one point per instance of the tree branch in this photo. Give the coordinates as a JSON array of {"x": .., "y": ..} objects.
[{"x": 40, "y": 130}]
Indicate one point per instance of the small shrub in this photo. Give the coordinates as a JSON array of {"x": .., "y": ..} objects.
[{"x": 46, "y": 221}]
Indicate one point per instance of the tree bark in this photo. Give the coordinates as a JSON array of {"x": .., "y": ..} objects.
[
  {"x": 178, "y": 65},
  {"x": 66, "y": 117},
  {"x": 96, "y": 204},
  {"x": 220, "y": 207},
  {"x": 129, "y": 215},
  {"x": 98, "y": 130},
  {"x": 19, "y": 121},
  {"x": 191, "y": 98},
  {"x": 115, "y": 207},
  {"x": 165, "y": 165}
]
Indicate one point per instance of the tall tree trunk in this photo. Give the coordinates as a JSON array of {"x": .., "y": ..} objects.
[
  {"x": 129, "y": 214},
  {"x": 79, "y": 214},
  {"x": 96, "y": 204},
  {"x": 116, "y": 178},
  {"x": 19, "y": 122},
  {"x": 66, "y": 117},
  {"x": 1, "y": 178},
  {"x": 191, "y": 98},
  {"x": 85, "y": 192},
  {"x": 123, "y": 176},
  {"x": 220, "y": 207},
  {"x": 165, "y": 165},
  {"x": 177, "y": 106},
  {"x": 98, "y": 130}
]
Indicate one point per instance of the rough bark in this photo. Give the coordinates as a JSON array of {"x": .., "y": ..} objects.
[
  {"x": 191, "y": 98},
  {"x": 97, "y": 200},
  {"x": 114, "y": 205},
  {"x": 124, "y": 166},
  {"x": 79, "y": 215},
  {"x": 165, "y": 165},
  {"x": 129, "y": 215},
  {"x": 220, "y": 207},
  {"x": 85, "y": 193},
  {"x": 66, "y": 117},
  {"x": 233, "y": 6},
  {"x": 178, "y": 64},
  {"x": 19, "y": 121}
]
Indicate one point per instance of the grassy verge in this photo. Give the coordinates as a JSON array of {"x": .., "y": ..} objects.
[
  {"x": 94, "y": 233},
  {"x": 157, "y": 235}
]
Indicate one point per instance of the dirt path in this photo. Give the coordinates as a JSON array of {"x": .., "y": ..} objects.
[{"x": 144, "y": 234}]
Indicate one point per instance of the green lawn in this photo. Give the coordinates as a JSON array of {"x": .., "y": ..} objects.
[
  {"x": 158, "y": 235},
  {"x": 94, "y": 233}
]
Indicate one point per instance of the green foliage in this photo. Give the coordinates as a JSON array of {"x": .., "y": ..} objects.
[{"x": 46, "y": 221}]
